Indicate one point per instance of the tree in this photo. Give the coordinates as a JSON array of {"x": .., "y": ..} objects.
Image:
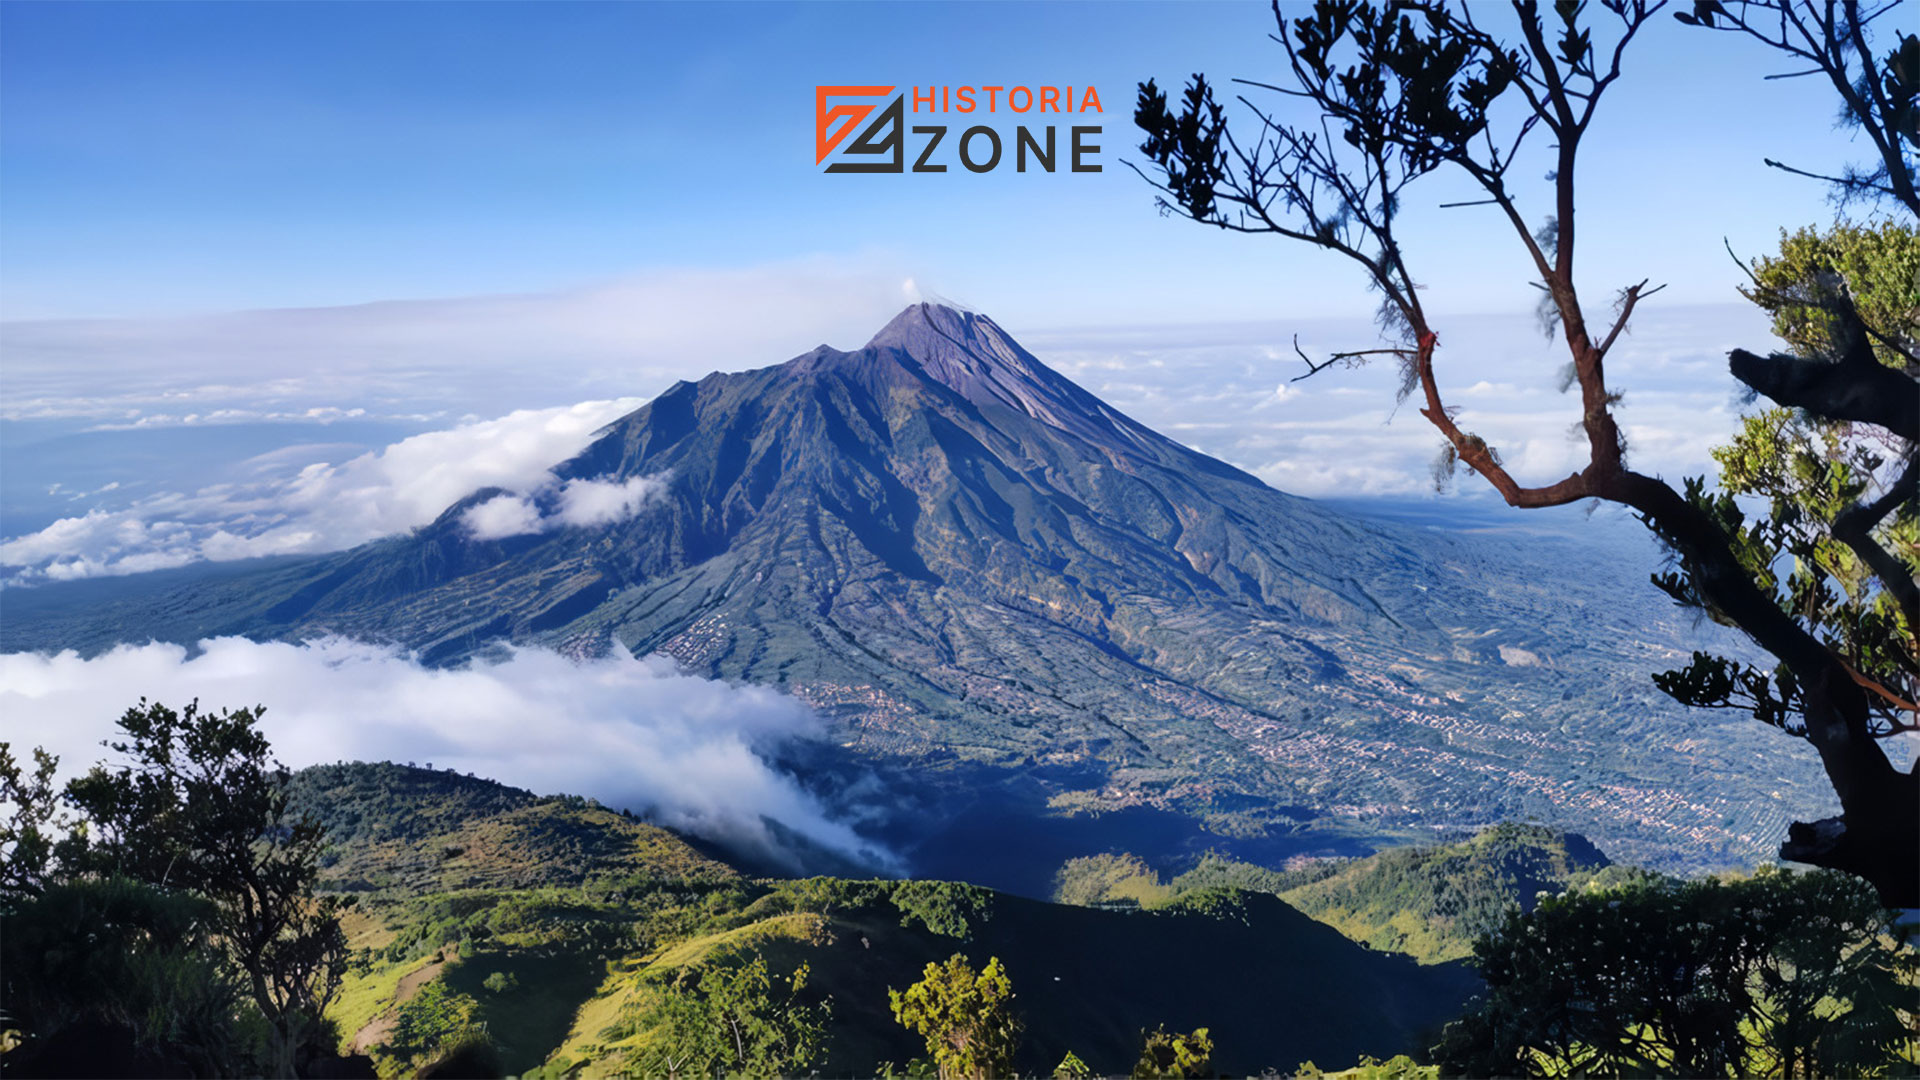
[
  {"x": 437, "y": 1026},
  {"x": 1778, "y": 975},
  {"x": 1398, "y": 1067},
  {"x": 1072, "y": 1068},
  {"x": 1171, "y": 1054},
  {"x": 1839, "y": 542},
  {"x": 202, "y": 807},
  {"x": 33, "y": 824},
  {"x": 966, "y": 1018},
  {"x": 1396, "y": 92},
  {"x": 1877, "y": 94},
  {"x": 724, "y": 1019}
]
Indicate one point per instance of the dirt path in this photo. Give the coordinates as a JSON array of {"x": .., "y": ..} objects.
[{"x": 377, "y": 1030}]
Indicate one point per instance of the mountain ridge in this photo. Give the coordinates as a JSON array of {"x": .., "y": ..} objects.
[
  {"x": 966, "y": 562},
  {"x": 557, "y": 923}
]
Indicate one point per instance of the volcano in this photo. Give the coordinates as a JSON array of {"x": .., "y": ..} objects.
[{"x": 979, "y": 572}]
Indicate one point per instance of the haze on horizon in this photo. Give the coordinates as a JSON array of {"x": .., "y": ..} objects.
[{"x": 243, "y": 243}]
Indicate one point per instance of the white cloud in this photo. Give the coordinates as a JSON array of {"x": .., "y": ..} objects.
[
  {"x": 502, "y": 516},
  {"x": 479, "y": 354},
  {"x": 693, "y": 753},
  {"x": 580, "y": 504},
  {"x": 327, "y": 506},
  {"x": 1227, "y": 389},
  {"x": 590, "y": 503}
]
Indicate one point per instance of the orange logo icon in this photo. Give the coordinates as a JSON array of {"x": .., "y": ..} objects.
[{"x": 826, "y": 135}]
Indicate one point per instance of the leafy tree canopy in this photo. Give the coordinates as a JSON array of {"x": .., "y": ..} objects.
[
  {"x": 965, "y": 1016},
  {"x": 736, "y": 1019},
  {"x": 1172, "y": 1054},
  {"x": 197, "y": 809},
  {"x": 1780, "y": 974}
]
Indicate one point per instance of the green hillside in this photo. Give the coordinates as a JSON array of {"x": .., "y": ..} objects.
[
  {"x": 1430, "y": 902},
  {"x": 557, "y": 970},
  {"x": 412, "y": 830}
]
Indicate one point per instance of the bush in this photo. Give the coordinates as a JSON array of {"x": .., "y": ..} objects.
[{"x": 1780, "y": 974}]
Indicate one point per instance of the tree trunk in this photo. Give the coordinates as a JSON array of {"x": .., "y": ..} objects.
[{"x": 1876, "y": 836}]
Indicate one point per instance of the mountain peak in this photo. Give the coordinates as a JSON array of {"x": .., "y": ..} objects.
[
  {"x": 911, "y": 329},
  {"x": 972, "y": 355}
]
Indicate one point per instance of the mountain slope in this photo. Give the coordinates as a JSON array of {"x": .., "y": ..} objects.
[
  {"x": 1430, "y": 901},
  {"x": 978, "y": 571},
  {"x": 410, "y": 830},
  {"x": 561, "y": 964}
]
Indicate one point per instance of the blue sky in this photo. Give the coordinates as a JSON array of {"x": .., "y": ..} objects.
[
  {"x": 281, "y": 278},
  {"x": 160, "y": 158}
]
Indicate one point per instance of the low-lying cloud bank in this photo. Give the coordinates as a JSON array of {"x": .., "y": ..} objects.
[
  {"x": 329, "y": 507},
  {"x": 480, "y": 355},
  {"x": 578, "y": 504},
  {"x": 691, "y": 753},
  {"x": 1228, "y": 390}
]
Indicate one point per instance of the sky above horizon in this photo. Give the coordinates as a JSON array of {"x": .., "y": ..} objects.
[
  {"x": 172, "y": 158},
  {"x": 284, "y": 278}
]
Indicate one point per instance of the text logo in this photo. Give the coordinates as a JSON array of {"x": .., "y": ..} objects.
[
  {"x": 834, "y": 116},
  {"x": 866, "y": 129}
]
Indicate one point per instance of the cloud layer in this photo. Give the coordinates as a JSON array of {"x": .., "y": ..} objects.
[
  {"x": 1227, "y": 390},
  {"x": 578, "y": 504},
  {"x": 479, "y": 355},
  {"x": 327, "y": 507},
  {"x": 692, "y": 753}
]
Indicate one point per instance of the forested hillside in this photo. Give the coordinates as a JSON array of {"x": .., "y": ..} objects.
[
  {"x": 414, "y": 830},
  {"x": 1430, "y": 902},
  {"x": 548, "y": 932}
]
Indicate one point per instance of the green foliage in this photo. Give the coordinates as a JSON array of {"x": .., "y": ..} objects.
[
  {"x": 1839, "y": 535},
  {"x": 825, "y": 895},
  {"x": 944, "y": 907},
  {"x": 501, "y": 981},
  {"x": 1809, "y": 474},
  {"x": 1780, "y": 974},
  {"x": 966, "y": 1018},
  {"x": 1072, "y": 1068},
  {"x": 1097, "y": 878},
  {"x": 1216, "y": 871},
  {"x": 406, "y": 829},
  {"x": 118, "y": 961},
  {"x": 592, "y": 959},
  {"x": 1166, "y": 1054},
  {"x": 1434, "y": 901},
  {"x": 1105, "y": 879},
  {"x": 1398, "y": 1067},
  {"x": 1875, "y": 268},
  {"x": 1429, "y": 901},
  {"x": 734, "y": 1019},
  {"x": 1212, "y": 903},
  {"x": 33, "y": 822},
  {"x": 432, "y": 1025},
  {"x": 202, "y": 806}
]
